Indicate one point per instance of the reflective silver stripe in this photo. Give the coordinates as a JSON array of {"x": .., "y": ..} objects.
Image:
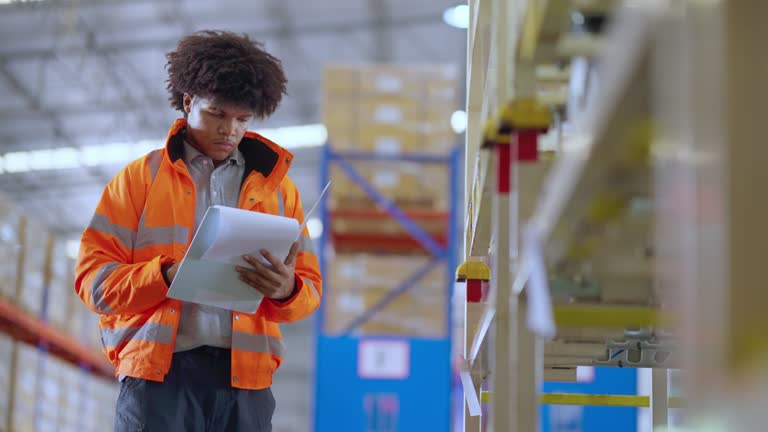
[
  {"x": 306, "y": 244},
  {"x": 97, "y": 287},
  {"x": 101, "y": 223},
  {"x": 153, "y": 161},
  {"x": 258, "y": 343},
  {"x": 151, "y": 332},
  {"x": 162, "y": 236},
  {"x": 280, "y": 203},
  {"x": 314, "y": 289},
  {"x": 156, "y": 236},
  {"x": 155, "y": 332}
]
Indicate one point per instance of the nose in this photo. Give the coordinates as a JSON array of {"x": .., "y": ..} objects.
[{"x": 228, "y": 127}]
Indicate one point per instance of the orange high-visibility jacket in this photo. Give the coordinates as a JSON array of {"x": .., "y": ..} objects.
[{"x": 145, "y": 220}]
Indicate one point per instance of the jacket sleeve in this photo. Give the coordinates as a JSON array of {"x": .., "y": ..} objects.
[
  {"x": 106, "y": 278},
  {"x": 309, "y": 288}
]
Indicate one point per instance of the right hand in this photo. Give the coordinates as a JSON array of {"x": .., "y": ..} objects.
[{"x": 171, "y": 272}]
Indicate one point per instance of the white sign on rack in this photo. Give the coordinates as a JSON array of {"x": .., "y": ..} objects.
[{"x": 384, "y": 359}]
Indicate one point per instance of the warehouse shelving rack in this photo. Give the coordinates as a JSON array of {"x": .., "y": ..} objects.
[
  {"x": 429, "y": 359},
  {"x": 32, "y": 330},
  {"x": 555, "y": 212}
]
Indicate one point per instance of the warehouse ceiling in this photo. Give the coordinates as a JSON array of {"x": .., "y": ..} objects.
[{"x": 91, "y": 73}]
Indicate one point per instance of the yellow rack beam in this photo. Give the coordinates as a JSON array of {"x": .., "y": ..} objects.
[
  {"x": 595, "y": 400},
  {"x": 610, "y": 316}
]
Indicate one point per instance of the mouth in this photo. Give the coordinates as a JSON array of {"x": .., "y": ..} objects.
[{"x": 224, "y": 145}]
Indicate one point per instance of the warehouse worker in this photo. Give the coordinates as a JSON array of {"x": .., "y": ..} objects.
[{"x": 183, "y": 366}]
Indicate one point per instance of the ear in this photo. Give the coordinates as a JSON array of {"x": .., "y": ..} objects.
[{"x": 187, "y": 103}]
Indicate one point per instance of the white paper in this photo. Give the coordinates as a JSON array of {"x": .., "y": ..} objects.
[
  {"x": 540, "y": 319},
  {"x": 234, "y": 232},
  {"x": 207, "y": 274},
  {"x": 470, "y": 394}
]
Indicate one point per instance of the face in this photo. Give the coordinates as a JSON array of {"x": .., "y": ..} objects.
[{"x": 215, "y": 128}]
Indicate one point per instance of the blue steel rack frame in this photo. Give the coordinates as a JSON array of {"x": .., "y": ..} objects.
[{"x": 342, "y": 399}]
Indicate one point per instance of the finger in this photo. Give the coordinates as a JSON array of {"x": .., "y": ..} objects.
[
  {"x": 292, "y": 254},
  {"x": 276, "y": 264},
  {"x": 258, "y": 265},
  {"x": 261, "y": 270},
  {"x": 260, "y": 286}
]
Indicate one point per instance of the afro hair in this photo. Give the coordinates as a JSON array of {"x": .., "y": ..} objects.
[{"x": 225, "y": 66}]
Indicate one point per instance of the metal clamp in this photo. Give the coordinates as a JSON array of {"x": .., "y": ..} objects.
[{"x": 641, "y": 349}]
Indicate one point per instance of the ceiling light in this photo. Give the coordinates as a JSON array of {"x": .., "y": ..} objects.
[
  {"x": 457, "y": 16},
  {"x": 291, "y": 137},
  {"x": 459, "y": 121},
  {"x": 73, "y": 248},
  {"x": 315, "y": 227}
]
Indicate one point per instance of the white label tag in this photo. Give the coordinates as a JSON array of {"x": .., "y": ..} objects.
[
  {"x": 387, "y": 145},
  {"x": 384, "y": 359},
  {"x": 388, "y": 84},
  {"x": 388, "y": 114},
  {"x": 351, "y": 270},
  {"x": 351, "y": 303},
  {"x": 386, "y": 179}
]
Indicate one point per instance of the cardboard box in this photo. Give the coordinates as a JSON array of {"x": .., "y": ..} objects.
[
  {"x": 98, "y": 404},
  {"x": 6, "y": 360},
  {"x": 410, "y": 185},
  {"x": 10, "y": 247},
  {"x": 390, "y": 108},
  {"x": 33, "y": 278},
  {"x": 50, "y": 389},
  {"x": 61, "y": 286},
  {"x": 426, "y": 82},
  {"x": 437, "y": 83},
  {"x": 356, "y": 283},
  {"x": 73, "y": 380},
  {"x": 394, "y": 140},
  {"x": 25, "y": 378},
  {"x": 341, "y": 80}
]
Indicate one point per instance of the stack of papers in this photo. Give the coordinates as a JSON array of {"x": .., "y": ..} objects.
[{"x": 207, "y": 274}]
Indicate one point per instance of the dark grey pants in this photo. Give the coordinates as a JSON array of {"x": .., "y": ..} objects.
[{"x": 196, "y": 396}]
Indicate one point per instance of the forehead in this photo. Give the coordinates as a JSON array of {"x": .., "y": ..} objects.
[{"x": 223, "y": 105}]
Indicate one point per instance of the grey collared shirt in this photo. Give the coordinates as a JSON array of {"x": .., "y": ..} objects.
[{"x": 199, "y": 324}]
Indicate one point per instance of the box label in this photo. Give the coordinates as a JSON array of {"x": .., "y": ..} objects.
[{"x": 384, "y": 359}]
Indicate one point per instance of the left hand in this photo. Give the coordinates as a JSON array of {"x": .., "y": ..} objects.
[{"x": 276, "y": 282}]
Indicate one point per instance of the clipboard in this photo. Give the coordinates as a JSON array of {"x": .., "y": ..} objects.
[{"x": 207, "y": 274}]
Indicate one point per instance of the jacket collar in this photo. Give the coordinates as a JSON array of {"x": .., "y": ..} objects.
[{"x": 260, "y": 154}]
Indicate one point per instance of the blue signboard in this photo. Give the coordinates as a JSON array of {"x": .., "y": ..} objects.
[
  {"x": 576, "y": 418},
  {"x": 368, "y": 382}
]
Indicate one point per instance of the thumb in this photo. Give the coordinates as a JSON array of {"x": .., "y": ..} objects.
[{"x": 292, "y": 254}]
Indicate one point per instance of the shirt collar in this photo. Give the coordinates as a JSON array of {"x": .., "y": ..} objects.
[{"x": 191, "y": 153}]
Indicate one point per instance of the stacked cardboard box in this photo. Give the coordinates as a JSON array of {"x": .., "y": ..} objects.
[
  {"x": 97, "y": 405},
  {"x": 73, "y": 379},
  {"x": 10, "y": 247},
  {"x": 391, "y": 110},
  {"x": 25, "y": 382},
  {"x": 410, "y": 185},
  {"x": 43, "y": 393},
  {"x": 60, "y": 286},
  {"x": 357, "y": 283},
  {"x": 6, "y": 374},
  {"x": 50, "y": 389},
  {"x": 36, "y": 259}
]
